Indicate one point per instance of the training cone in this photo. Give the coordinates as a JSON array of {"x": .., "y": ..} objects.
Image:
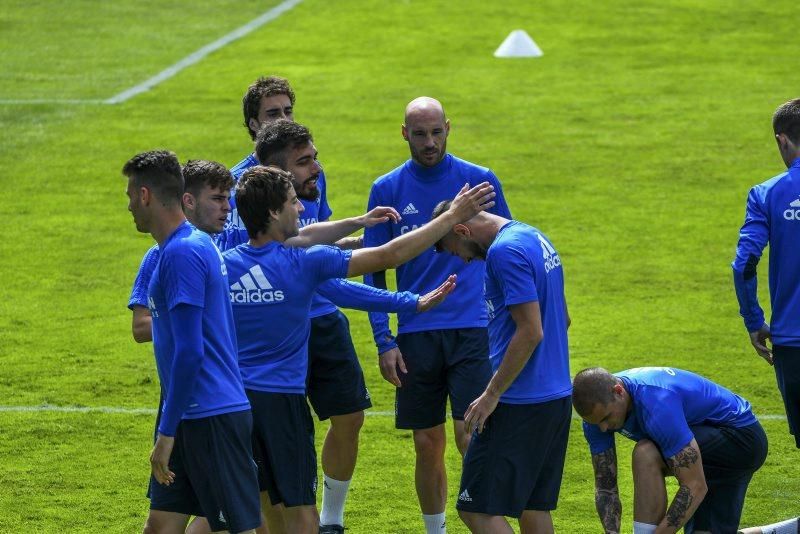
[{"x": 518, "y": 44}]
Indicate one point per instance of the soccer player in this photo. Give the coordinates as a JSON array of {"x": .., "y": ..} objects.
[
  {"x": 446, "y": 352},
  {"x": 773, "y": 217},
  {"x": 511, "y": 467},
  {"x": 336, "y": 386},
  {"x": 202, "y": 458},
  {"x": 272, "y": 288},
  {"x": 684, "y": 425}
]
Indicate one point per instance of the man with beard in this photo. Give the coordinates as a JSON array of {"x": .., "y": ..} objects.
[
  {"x": 336, "y": 386},
  {"x": 445, "y": 353}
]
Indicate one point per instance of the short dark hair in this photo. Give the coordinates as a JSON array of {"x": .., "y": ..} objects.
[
  {"x": 269, "y": 86},
  {"x": 160, "y": 172},
  {"x": 261, "y": 190},
  {"x": 786, "y": 120},
  {"x": 198, "y": 173},
  {"x": 591, "y": 387},
  {"x": 275, "y": 139},
  {"x": 438, "y": 210}
]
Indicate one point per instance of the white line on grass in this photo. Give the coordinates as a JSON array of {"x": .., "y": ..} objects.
[
  {"x": 151, "y": 411},
  {"x": 194, "y": 57},
  {"x": 172, "y": 70}
]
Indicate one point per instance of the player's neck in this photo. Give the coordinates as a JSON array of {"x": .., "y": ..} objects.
[
  {"x": 264, "y": 238},
  {"x": 490, "y": 226},
  {"x": 165, "y": 224}
]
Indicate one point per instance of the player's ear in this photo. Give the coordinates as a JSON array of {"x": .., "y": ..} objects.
[
  {"x": 144, "y": 195},
  {"x": 254, "y": 125},
  {"x": 461, "y": 230},
  {"x": 447, "y": 126},
  {"x": 188, "y": 201},
  {"x": 404, "y": 131}
]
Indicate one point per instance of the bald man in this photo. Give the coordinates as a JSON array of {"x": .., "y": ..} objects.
[{"x": 444, "y": 353}]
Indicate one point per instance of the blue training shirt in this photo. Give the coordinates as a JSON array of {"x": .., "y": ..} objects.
[
  {"x": 142, "y": 282},
  {"x": 344, "y": 293},
  {"x": 666, "y": 402},
  {"x": 270, "y": 291},
  {"x": 191, "y": 271},
  {"x": 522, "y": 266},
  {"x": 772, "y": 216},
  {"x": 414, "y": 190}
]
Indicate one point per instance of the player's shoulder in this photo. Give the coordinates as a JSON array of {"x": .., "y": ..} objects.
[
  {"x": 238, "y": 170},
  {"x": 469, "y": 166},
  {"x": 391, "y": 177},
  {"x": 152, "y": 254}
]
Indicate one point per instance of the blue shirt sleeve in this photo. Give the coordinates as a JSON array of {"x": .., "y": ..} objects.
[
  {"x": 347, "y": 294},
  {"x": 375, "y": 237},
  {"x": 500, "y": 205},
  {"x": 187, "y": 331},
  {"x": 515, "y": 274},
  {"x": 325, "y": 210},
  {"x": 231, "y": 238},
  {"x": 184, "y": 274},
  {"x": 142, "y": 281},
  {"x": 323, "y": 262},
  {"x": 598, "y": 440},
  {"x": 753, "y": 237},
  {"x": 663, "y": 419}
]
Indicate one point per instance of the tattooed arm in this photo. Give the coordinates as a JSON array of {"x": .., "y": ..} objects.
[
  {"x": 687, "y": 466},
  {"x": 606, "y": 494}
]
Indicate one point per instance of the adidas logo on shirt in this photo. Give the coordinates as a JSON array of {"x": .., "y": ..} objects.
[
  {"x": 792, "y": 213},
  {"x": 410, "y": 209},
  {"x": 254, "y": 288},
  {"x": 549, "y": 254},
  {"x": 465, "y": 496}
]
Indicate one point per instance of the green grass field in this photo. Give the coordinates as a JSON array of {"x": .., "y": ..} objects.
[{"x": 631, "y": 143}]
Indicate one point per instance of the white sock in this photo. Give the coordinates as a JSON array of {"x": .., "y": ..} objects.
[
  {"x": 643, "y": 528},
  {"x": 784, "y": 527},
  {"x": 435, "y": 523},
  {"x": 334, "y": 493}
]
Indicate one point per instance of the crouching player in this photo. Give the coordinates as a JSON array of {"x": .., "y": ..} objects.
[
  {"x": 271, "y": 290},
  {"x": 684, "y": 425},
  {"x": 513, "y": 468}
]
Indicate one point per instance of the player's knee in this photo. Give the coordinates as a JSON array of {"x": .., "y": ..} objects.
[
  {"x": 468, "y": 518},
  {"x": 429, "y": 443},
  {"x": 347, "y": 426},
  {"x": 646, "y": 456}
]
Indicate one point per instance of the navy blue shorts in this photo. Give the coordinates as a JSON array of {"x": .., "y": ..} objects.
[
  {"x": 730, "y": 457},
  {"x": 516, "y": 463},
  {"x": 787, "y": 371},
  {"x": 283, "y": 447},
  {"x": 440, "y": 363},
  {"x": 335, "y": 383},
  {"x": 215, "y": 475}
]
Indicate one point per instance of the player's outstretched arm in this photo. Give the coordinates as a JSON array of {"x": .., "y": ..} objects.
[
  {"x": 687, "y": 466},
  {"x": 606, "y": 492},
  {"x": 325, "y": 233},
  {"x": 467, "y": 204},
  {"x": 434, "y": 298}
]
